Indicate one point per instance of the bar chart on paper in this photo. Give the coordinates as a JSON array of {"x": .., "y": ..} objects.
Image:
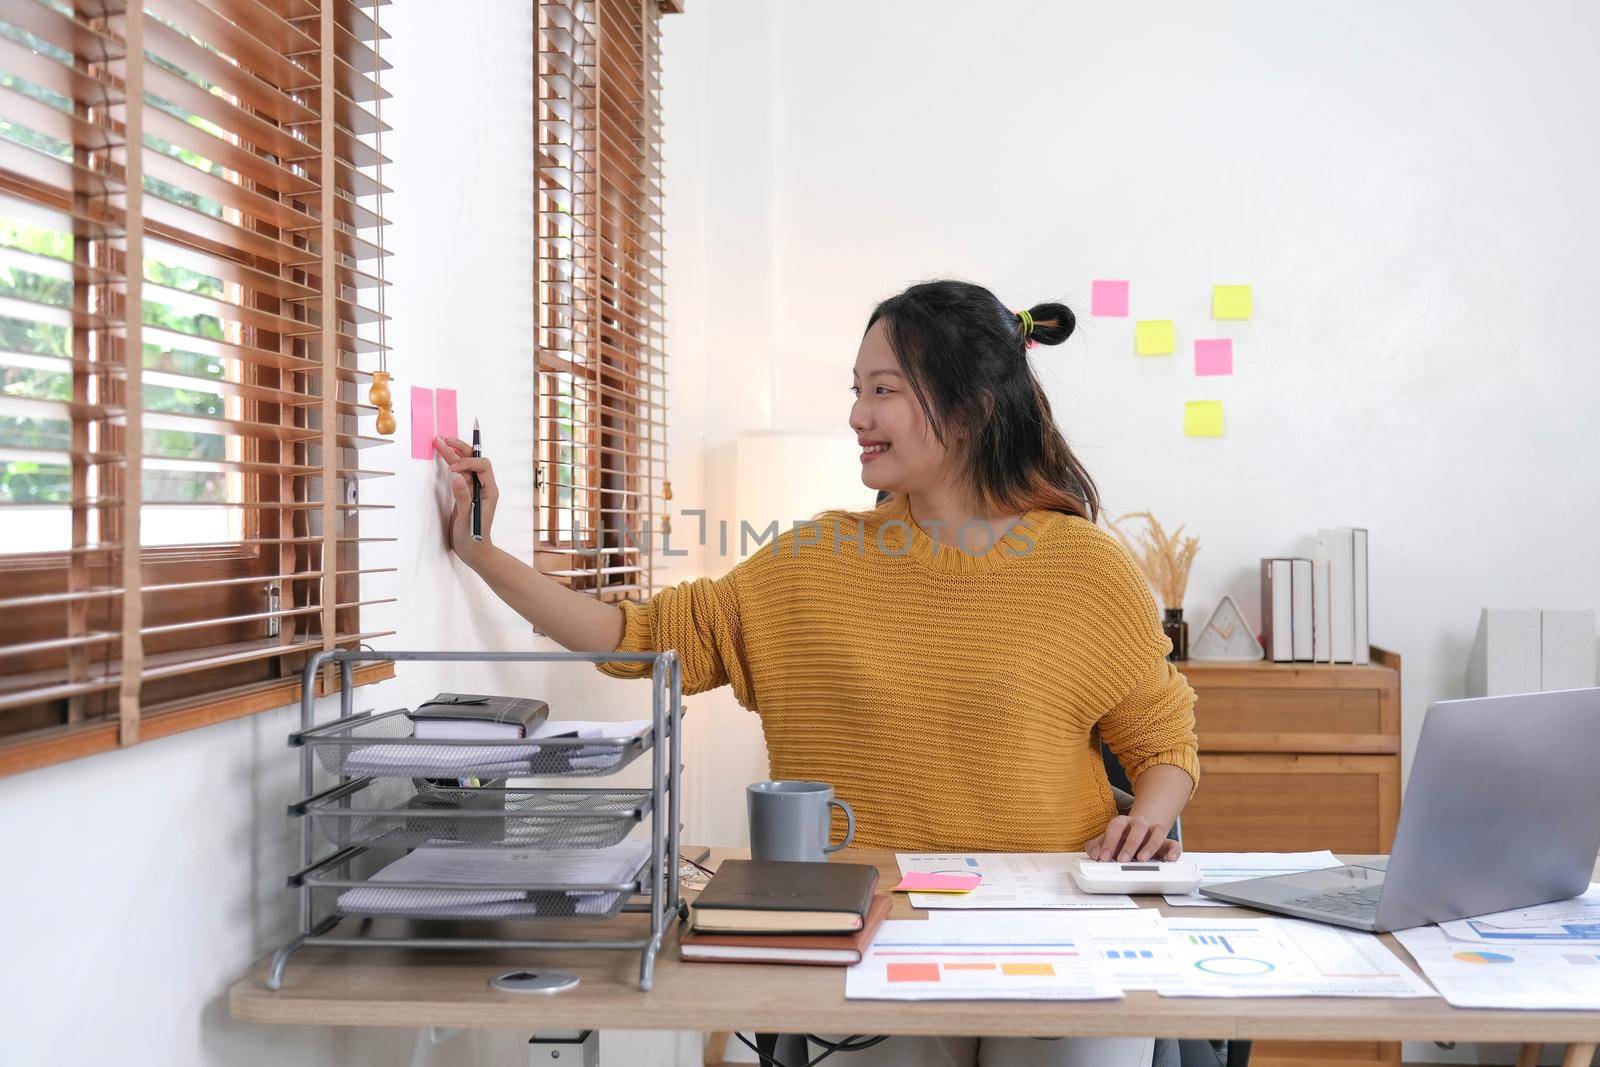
[
  {"x": 1136, "y": 949},
  {"x": 958, "y": 960}
]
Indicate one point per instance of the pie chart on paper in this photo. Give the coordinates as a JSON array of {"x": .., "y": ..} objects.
[{"x": 1483, "y": 957}]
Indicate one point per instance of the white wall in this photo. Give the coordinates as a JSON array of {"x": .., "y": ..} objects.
[{"x": 1410, "y": 195}]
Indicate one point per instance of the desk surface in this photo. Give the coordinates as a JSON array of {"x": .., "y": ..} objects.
[{"x": 412, "y": 988}]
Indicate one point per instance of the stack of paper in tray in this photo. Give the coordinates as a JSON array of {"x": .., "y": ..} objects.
[
  {"x": 505, "y": 760},
  {"x": 494, "y": 866}
]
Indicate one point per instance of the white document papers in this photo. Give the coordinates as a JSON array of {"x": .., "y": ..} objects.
[
  {"x": 1014, "y": 956},
  {"x": 1470, "y": 974},
  {"x": 1564, "y": 922},
  {"x": 495, "y": 866},
  {"x": 1040, "y": 880},
  {"x": 1286, "y": 958},
  {"x": 507, "y": 760},
  {"x": 399, "y": 759},
  {"x": 1219, "y": 867},
  {"x": 588, "y": 757}
]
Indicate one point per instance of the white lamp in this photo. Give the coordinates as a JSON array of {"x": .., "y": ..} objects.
[{"x": 790, "y": 475}]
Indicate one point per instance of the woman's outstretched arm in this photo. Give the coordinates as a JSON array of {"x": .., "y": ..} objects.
[{"x": 574, "y": 620}]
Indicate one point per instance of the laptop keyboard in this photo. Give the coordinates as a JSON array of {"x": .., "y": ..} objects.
[{"x": 1356, "y": 903}]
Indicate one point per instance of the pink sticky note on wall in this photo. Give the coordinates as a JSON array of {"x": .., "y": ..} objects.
[
  {"x": 1213, "y": 356},
  {"x": 444, "y": 405},
  {"x": 421, "y": 423},
  {"x": 1109, "y": 299}
]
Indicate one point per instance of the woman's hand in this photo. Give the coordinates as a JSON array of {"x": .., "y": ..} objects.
[
  {"x": 1133, "y": 837},
  {"x": 458, "y": 455}
]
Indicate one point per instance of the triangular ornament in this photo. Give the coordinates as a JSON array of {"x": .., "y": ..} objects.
[{"x": 1226, "y": 636}]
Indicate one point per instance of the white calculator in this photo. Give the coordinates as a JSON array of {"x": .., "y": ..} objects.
[{"x": 1181, "y": 876}]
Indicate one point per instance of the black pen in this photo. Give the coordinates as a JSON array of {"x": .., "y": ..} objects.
[{"x": 477, "y": 487}]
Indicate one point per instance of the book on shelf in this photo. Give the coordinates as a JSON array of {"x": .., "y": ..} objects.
[
  {"x": 1321, "y": 618},
  {"x": 1337, "y": 546},
  {"x": 1277, "y": 609},
  {"x": 777, "y": 896},
  {"x": 1301, "y": 598},
  {"x": 1361, "y": 651},
  {"x": 835, "y": 950},
  {"x": 1349, "y": 633}
]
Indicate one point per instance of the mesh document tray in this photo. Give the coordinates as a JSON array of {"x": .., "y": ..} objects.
[
  {"x": 354, "y": 895},
  {"x": 408, "y": 813},
  {"x": 381, "y": 746}
]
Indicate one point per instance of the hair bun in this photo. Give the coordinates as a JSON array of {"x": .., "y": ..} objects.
[{"x": 1052, "y": 323}]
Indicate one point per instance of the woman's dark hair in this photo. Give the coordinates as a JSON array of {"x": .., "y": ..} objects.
[{"x": 965, "y": 355}]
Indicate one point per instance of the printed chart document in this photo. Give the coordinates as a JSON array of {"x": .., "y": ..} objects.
[
  {"x": 1037, "y": 880},
  {"x": 1219, "y": 867},
  {"x": 981, "y": 957},
  {"x": 1564, "y": 922},
  {"x": 1134, "y": 947},
  {"x": 1286, "y": 958},
  {"x": 495, "y": 866},
  {"x": 1470, "y": 974}
]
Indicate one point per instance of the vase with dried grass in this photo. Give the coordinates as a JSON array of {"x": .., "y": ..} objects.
[{"x": 1165, "y": 560}]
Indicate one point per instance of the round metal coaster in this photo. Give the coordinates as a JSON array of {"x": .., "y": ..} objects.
[{"x": 534, "y": 982}]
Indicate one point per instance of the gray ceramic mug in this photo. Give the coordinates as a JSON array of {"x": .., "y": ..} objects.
[{"x": 791, "y": 820}]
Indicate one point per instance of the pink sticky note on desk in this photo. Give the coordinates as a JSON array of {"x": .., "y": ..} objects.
[
  {"x": 1109, "y": 299},
  {"x": 421, "y": 423},
  {"x": 922, "y": 882},
  {"x": 1214, "y": 356},
  {"x": 444, "y": 406}
]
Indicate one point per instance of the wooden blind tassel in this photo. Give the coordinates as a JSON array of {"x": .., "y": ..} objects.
[{"x": 383, "y": 400}]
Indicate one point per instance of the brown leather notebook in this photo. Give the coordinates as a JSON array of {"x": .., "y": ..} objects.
[
  {"x": 821, "y": 950},
  {"x": 780, "y": 897}
]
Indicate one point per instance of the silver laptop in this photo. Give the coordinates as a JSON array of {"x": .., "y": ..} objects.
[{"x": 1502, "y": 811}]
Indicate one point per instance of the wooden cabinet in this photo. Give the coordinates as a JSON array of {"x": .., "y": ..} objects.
[{"x": 1295, "y": 757}]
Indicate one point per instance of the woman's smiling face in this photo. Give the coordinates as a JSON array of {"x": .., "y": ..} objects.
[{"x": 899, "y": 452}]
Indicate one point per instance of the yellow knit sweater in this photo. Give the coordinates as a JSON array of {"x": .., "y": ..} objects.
[{"x": 953, "y": 698}]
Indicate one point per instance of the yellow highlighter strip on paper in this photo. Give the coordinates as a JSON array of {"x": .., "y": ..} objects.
[{"x": 931, "y": 882}]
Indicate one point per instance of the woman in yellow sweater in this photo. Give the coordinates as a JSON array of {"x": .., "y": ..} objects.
[{"x": 948, "y": 661}]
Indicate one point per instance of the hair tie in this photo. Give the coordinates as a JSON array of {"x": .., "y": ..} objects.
[{"x": 1026, "y": 318}]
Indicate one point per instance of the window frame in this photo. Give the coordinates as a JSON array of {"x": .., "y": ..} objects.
[{"x": 175, "y": 700}]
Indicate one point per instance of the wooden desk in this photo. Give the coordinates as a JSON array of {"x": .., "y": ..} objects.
[{"x": 415, "y": 988}]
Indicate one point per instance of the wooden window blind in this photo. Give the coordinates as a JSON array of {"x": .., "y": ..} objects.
[
  {"x": 601, "y": 396},
  {"x": 191, "y": 278}
]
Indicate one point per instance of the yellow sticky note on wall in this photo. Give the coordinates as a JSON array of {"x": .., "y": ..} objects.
[
  {"x": 1230, "y": 302},
  {"x": 1155, "y": 337},
  {"x": 1202, "y": 418}
]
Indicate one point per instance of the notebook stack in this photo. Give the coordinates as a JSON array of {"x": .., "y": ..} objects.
[{"x": 775, "y": 912}]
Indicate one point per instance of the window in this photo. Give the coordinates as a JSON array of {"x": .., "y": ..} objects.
[
  {"x": 190, "y": 267},
  {"x": 601, "y": 392}
]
